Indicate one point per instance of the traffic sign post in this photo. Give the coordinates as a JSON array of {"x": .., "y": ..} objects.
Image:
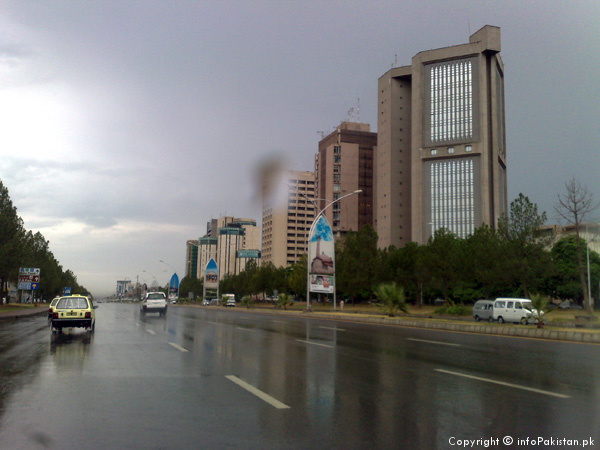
[{"x": 29, "y": 279}]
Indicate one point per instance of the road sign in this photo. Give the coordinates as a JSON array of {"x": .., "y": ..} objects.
[
  {"x": 29, "y": 271},
  {"x": 24, "y": 286}
]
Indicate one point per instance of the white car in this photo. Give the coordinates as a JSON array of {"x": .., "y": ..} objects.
[{"x": 154, "y": 302}]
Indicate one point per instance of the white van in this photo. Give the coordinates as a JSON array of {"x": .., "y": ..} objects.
[
  {"x": 483, "y": 310},
  {"x": 518, "y": 310}
]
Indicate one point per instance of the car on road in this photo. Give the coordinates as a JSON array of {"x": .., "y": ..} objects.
[
  {"x": 154, "y": 302},
  {"x": 483, "y": 310},
  {"x": 205, "y": 303},
  {"x": 51, "y": 306},
  {"x": 76, "y": 311},
  {"x": 228, "y": 299},
  {"x": 517, "y": 310}
]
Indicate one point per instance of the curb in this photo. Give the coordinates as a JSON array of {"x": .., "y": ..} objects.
[
  {"x": 532, "y": 332},
  {"x": 520, "y": 331},
  {"x": 22, "y": 314}
]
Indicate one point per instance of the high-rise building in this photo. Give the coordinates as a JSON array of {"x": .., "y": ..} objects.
[
  {"x": 287, "y": 218},
  {"x": 343, "y": 165},
  {"x": 191, "y": 259},
  {"x": 231, "y": 242},
  {"x": 441, "y": 154}
]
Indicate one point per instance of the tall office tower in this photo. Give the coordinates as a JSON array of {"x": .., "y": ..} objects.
[
  {"x": 191, "y": 258},
  {"x": 231, "y": 242},
  {"x": 287, "y": 217},
  {"x": 343, "y": 165},
  {"x": 441, "y": 155}
]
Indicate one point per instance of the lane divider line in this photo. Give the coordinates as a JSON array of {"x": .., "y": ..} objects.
[
  {"x": 181, "y": 349},
  {"x": 502, "y": 383},
  {"x": 433, "y": 342},
  {"x": 331, "y": 328},
  {"x": 150, "y": 331},
  {"x": 314, "y": 343},
  {"x": 260, "y": 394}
]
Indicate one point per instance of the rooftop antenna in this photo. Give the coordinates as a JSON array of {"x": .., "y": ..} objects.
[
  {"x": 322, "y": 133},
  {"x": 350, "y": 116},
  {"x": 358, "y": 109}
]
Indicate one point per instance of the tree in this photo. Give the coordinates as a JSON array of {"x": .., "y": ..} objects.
[
  {"x": 356, "y": 262},
  {"x": 576, "y": 203},
  {"x": 189, "y": 284},
  {"x": 297, "y": 277},
  {"x": 12, "y": 234},
  {"x": 482, "y": 256},
  {"x": 565, "y": 283},
  {"x": 391, "y": 298},
  {"x": 539, "y": 303},
  {"x": 526, "y": 259},
  {"x": 442, "y": 259}
]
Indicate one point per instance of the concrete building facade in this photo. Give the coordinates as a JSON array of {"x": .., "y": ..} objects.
[
  {"x": 344, "y": 164},
  {"x": 441, "y": 154},
  {"x": 231, "y": 242},
  {"x": 287, "y": 219}
]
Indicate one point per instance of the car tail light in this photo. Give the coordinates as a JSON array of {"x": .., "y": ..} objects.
[
  {"x": 55, "y": 315},
  {"x": 50, "y": 309},
  {"x": 88, "y": 315}
]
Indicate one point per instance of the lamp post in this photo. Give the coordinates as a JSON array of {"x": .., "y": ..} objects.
[
  {"x": 589, "y": 280},
  {"x": 321, "y": 212}
]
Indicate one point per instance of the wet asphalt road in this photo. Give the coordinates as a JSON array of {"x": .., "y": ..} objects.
[{"x": 228, "y": 379}]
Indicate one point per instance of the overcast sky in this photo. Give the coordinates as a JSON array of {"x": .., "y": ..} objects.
[{"x": 126, "y": 125}]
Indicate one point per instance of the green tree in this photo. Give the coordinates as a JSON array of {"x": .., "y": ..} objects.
[
  {"x": 525, "y": 259},
  {"x": 297, "y": 277},
  {"x": 356, "y": 262},
  {"x": 573, "y": 206},
  {"x": 442, "y": 259},
  {"x": 565, "y": 283},
  {"x": 482, "y": 256},
  {"x": 283, "y": 301},
  {"x": 539, "y": 303},
  {"x": 391, "y": 298},
  {"x": 12, "y": 234},
  {"x": 189, "y": 284}
]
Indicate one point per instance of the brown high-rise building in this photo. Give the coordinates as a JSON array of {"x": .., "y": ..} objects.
[
  {"x": 441, "y": 153},
  {"x": 343, "y": 165}
]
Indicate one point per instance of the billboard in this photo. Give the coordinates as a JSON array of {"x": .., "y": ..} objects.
[{"x": 321, "y": 257}]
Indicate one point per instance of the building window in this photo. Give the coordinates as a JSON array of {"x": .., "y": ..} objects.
[
  {"x": 433, "y": 151},
  {"x": 451, "y": 106},
  {"x": 337, "y": 150},
  {"x": 468, "y": 148},
  {"x": 450, "y": 150},
  {"x": 453, "y": 197}
]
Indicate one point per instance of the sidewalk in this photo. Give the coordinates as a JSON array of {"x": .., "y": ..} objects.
[{"x": 15, "y": 311}]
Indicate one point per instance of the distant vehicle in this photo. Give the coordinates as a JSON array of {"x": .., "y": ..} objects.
[
  {"x": 74, "y": 312},
  {"x": 483, "y": 310},
  {"x": 154, "y": 302},
  {"x": 51, "y": 306},
  {"x": 205, "y": 302},
  {"x": 567, "y": 304},
  {"x": 518, "y": 310},
  {"x": 214, "y": 301},
  {"x": 229, "y": 299}
]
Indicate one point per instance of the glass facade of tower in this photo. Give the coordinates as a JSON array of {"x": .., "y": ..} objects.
[
  {"x": 451, "y": 101},
  {"x": 453, "y": 196}
]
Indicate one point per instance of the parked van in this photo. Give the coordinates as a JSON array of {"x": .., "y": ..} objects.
[
  {"x": 483, "y": 310},
  {"x": 518, "y": 310}
]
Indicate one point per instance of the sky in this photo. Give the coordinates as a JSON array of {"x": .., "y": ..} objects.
[{"x": 125, "y": 126}]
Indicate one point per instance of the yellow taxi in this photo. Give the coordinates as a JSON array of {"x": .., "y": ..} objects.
[
  {"x": 52, "y": 305},
  {"x": 75, "y": 311}
]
